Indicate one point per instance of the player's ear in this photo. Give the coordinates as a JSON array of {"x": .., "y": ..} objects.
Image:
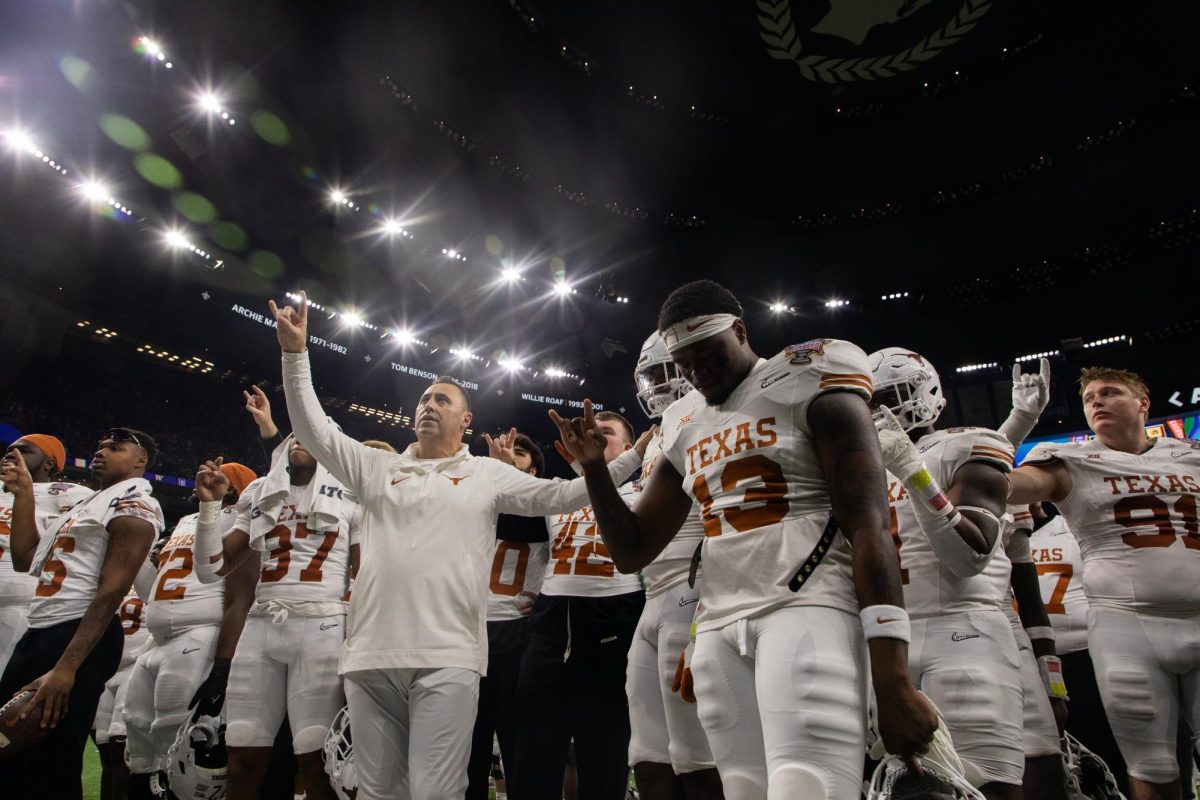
[
  {"x": 467, "y": 417},
  {"x": 739, "y": 330}
]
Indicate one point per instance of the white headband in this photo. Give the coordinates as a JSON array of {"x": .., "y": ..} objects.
[{"x": 692, "y": 330}]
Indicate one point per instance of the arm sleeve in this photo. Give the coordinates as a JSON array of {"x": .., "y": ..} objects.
[
  {"x": 1017, "y": 425},
  {"x": 347, "y": 460},
  {"x": 143, "y": 582},
  {"x": 268, "y": 445},
  {"x": 211, "y": 527},
  {"x": 522, "y": 494}
]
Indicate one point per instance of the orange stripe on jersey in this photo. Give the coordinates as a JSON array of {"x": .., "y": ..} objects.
[
  {"x": 857, "y": 381},
  {"x": 990, "y": 452}
]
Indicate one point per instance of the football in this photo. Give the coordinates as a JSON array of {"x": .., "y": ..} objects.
[{"x": 16, "y": 734}]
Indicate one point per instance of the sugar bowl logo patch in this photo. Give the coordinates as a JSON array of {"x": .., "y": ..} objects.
[{"x": 802, "y": 353}]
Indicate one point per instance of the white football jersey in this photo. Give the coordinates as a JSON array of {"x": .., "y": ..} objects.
[
  {"x": 1013, "y": 548},
  {"x": 580, "y": 565},
  {"x": 930, "y": 588},
  {"x": 178, "y": 600},
  {"x": 299, "y": 564},
  {"x": 517, "y": 574},
  {"x": 751, "y": 464},
  {"x": 51, "y": 500},
  {"x": 1060, "y": 574},
  {"x": 72, "y": 551},
  {"x": 1136, "y": 521},
  {"x": 132, "y": 614},
  {"x": 674, "y": 563}
]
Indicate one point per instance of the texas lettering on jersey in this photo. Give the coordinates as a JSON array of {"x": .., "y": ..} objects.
[{"x": 711, "y": 449}]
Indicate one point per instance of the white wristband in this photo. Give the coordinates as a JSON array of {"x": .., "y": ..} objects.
[
  {"x": 210, "y": 511},
  {"x": 885, "y": 622},
  {"x": 1040, "y": 632}
]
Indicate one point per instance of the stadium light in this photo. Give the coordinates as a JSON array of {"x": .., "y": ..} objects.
[
  {"x": 94, "y": 191},
  {"x": 510, "y": 274},
  {"x": 977, "y": 367},
  {"x": 1106, "y": 340},
  {"x": 177, "y": 240},
  {"x": 779, "y": 308},
  {"x": 512, "y": 364},
  {"x": 836, "y": 303},
  {"x": 352, "y": 318},
  {"x": 562, "y": 289},
  {"x": 20, "y": 140}
]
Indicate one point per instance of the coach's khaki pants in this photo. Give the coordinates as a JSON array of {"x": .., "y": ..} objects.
[{"x": 412, "y": 731}]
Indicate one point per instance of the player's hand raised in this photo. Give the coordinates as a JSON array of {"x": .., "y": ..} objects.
[
  {"x": 15, "y": 475},
  {"x": 1031, "y": 392},
  {"x": 291, "y": 325},
  {"x": 211, "y": 483},
  {"x": 501, "y": 447},
  {"x": 900, "y": 455},
  {"x": 644, "y": 441},
  {"x": 580, "y": 436}
]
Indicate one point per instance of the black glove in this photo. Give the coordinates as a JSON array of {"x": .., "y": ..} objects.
[{"x": 209, "y": 698}]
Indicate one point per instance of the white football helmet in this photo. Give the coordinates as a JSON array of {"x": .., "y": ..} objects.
[
  {"x": 197, "y": 760},
  {"x": 339, "y": 757},
  {"x": 658, "y": 379},
  {"x": 1086, "y": 775},
  {"x": 943, "y": 777},
  {"x": 920, "y": 399}
]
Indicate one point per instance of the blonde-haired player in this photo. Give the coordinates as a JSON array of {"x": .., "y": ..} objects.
[{"x": 1131, "y": 502}]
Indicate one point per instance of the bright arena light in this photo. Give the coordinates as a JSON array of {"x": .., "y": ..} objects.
[
  {"x": 392, "y": 227},
  {"x": 352, "y": 318},
  {"x": 95, "y": 191},
  {"x": 511, "y": 274},
  {"x": 779, "y": 308},
  {"x": 463, "y": 353},
  {"x": 562, "y": 289},
  {"x": 512, "y": 364},
  {"x": 337, "y": 196},
  {"x": 19, "y": 140},
  {"x": 836, "y": 303},
  {"x": 209, "y": 102},
  {"x": 555, "y": 372},
  {"x": 404, "y": 336},
  {"x": 177, "y": 240}
]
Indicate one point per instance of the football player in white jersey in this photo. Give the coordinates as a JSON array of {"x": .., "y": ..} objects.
[
  {"x": 1131, "y": 503},
  {"x": 1015, "y": 580},
  {"x": 184, "y": 617},
  {"x": 962, "y": 653},
  {"x": 518, "y": 569},
  {"x": 44, "y": 457},
  {"x": 303, "y": 527},
  {"x": 668, "y": 748},
  {"x": 108, "y": 731},
  {"x": 572, "y": 682},
  {"x": 769, "y": 448},
  {"x": 85, "y": 564}
]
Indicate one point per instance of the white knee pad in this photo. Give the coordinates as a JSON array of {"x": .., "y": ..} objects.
[
  {"x": 743, "y": 786},
  {"x": 794, "y": 781},
  {"x": 308, "y": 739}
]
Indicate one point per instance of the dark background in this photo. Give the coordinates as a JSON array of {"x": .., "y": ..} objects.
[{"x": 1031, "y": 188}]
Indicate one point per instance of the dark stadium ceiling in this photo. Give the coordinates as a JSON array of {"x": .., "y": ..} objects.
[{"x": 1012, "y": 171}]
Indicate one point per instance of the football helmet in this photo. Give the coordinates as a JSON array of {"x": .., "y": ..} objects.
[
  {"x": 658, "y": 379},
  {"x": 1086, "y": 775},
  {"x": 919, "y": 399},
  {"x": 943, "y": 777},
  {"x": 339, "y": 757},
  {"x": 196, "y": 762}
]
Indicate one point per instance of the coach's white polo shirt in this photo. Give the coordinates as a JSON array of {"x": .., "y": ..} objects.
[{"x": 428, "y": 537}]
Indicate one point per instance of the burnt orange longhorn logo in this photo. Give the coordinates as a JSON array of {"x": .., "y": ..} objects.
[{"x": 456, "y": 481}]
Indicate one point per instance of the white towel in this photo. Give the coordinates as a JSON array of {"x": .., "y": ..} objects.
[{"x": 328, "y": 497}]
